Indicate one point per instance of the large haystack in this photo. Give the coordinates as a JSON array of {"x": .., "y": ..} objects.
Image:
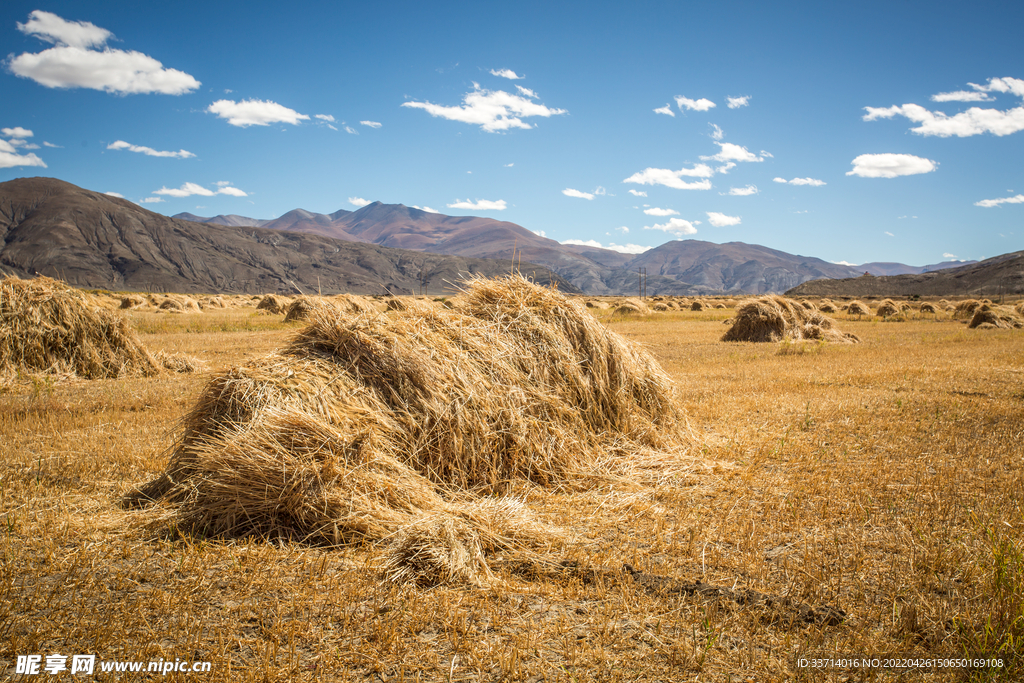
[
  {"x": 887, "y": 309},
  {"x": 395, "y": 426},
  {"x": 774, "y": 318},
  {"x": 699, "y": 305},
  {"x": 1003, "y": 318},
  {"x": 858, "y": 308},
  {"x": 46, "y": 326}
]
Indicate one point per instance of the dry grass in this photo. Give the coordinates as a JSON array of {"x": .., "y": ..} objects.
[
  {"x": 883, "y": 478},
  {"x": 776, "y": 318}
]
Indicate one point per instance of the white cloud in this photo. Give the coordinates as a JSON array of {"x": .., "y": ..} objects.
[
  {"x": 255, "y": 113},
  {"x": 801, "y": 181},
  {"x": 526, "y": 91},
  {"x": 421, "y": 208},
  {"x": 539, "y": 233},
  {"x": 192, "y": 189},
  {"x": 351, "y": 131},
  {"x": 949, "y": 256},
  {"x": 371, "y": 124},
  {"x": 507, "y": 73},
  {"x": 638, "y": 193},
  {"x": 667, "y": 110},
  {"x": 325, "y": 117},
  {"x": 890, "y": 165},
  {"x": 114, "y": 194},
  {"x": 624, "y": 230},
  {"x": 621, "y": 248},
  {"x": 152, "y": 200},
  {"x": 674, "y": 179},
  {"x": 358, "y": 201},
  {"x": 655, "y": 211},
  {"x": 50, "y": 144},
  {"x": 725, "y": 168},
  {"x": 568, "y": 192},
  {"x": 696, "y": 105},
  {"x": 600, "y": 191},
  {"x": 149, "y": 151},
  {"x": 676, "y": 226},
  {"x": 843, "y": 263},
  {"x": 510, "y": 165},
  {"x": 716, "y": 132},
  {"x": 974, "y": 121},
  {"x": 16, "y": 132},
  {"x": 491, "y": 110},
  {"x": 989, "y": 203},
  {"x": 737, "y": 102},
  {"x": 76, "y": 61},
  {"x": 479, "y": 205},
  {"x": 889, "y": 234},
  {"x": 743, "y": 191},
  {"x": 731, "y": 152},
  {"x": 962, "y": 96},
  {"x": 9, "y": 157},
  {"x": 720, "y": 220}
]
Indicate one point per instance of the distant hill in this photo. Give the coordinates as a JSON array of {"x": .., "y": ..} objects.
[
  {"x": 230, "y": 219},
  {"x": 883, "y": 268},
  {"x": 1000, "y": 275},
  {"x": 89, "y": 239}
]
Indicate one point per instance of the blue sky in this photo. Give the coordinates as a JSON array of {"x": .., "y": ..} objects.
[{"x": 898, "y": 128}]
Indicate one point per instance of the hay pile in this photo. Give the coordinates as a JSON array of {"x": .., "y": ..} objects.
[
  {"x": 987, "y": 317},
  {"x": 399, "y": 428},
  {"x": 215, "y": 302},
  {"x": 351, "y": 303},
  {"x": 699, "y": 305},
  {"x": 927, "y": 307},
  {"x": 304, "y": 306},
  {"x": 179, "y": 304},
  {"x": 827, "y": 307},
  {"x": 858, "y": 308},
  {"x": 660, "y": 306},
  {"x": 632, "y": 306},
  {"x": 1019, "y": 308},
  {"x": 887, "y": 309},
  {"x": 272, "y": 303},
  {"x": 46, "y": 326},
  {"x": 132, "y": 301},
  {"x": 774, "y": 318},
  {"x": 808, "y": 305}
]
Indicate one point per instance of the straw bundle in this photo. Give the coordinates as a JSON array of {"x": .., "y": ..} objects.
[
  {"x": 179, "y": 304},
  {"x": 132, "y": 301},
  {"x": 1003, "y": 318},
  {"x": 774, "y": 318},
  {"x": 660, "y": 306},
  {"x": 393, "y": 426},
  {"x": 887, "y": 309},
  {"x": 353, "y": 304},
  {"x": 927, "y": 307},
  {"x": 698, "y": 305},
  {"x": 858, "y": 308},
  {"x": 1019, "y": 308},
  {"x": 966, "y": 308},
  {"x": 46, "y": 326},
  {"x": 827, "y": 307},
  {"x": 215, "y": 302},
  {"x": 303, "y": 307},
  {"x": 632, "y": 306},
  {"x": 272, "y": 303},
  {"x": 808, "y": 305}
]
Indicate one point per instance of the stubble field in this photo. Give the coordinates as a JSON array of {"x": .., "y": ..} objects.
[{"x": 882, "y": 480}]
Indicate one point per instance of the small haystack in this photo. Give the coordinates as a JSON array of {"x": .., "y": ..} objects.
[
  {"x": 827, "y": 307},
  {"x": 632, "y": 306},
  {"x": 720, "y": 305},
  {"x": 179, "y": 304},
  {"x": 400, "y": 428},
  {"x": 303, "y": 307},
  {"x": 214, "y": 302},
  {"x": 46, "y": 326},
  {"x": 927, "y": 307},
  {"x": 350, "y": 303},
  {"x": 272, "y": 303},
  {"x": 1002, "y": 318},
  {"x": 774, "y": 318},
  {"x": 808, "y": 306},
  {"x": 887, "y": 309},
  {"x": 660, "y": 306},
  {"x": 699, "y": 305},
  {"x": 1019, "y": 308},
  {"x": 132, "y": 301},
  {"x": 967, "y": 308},
  {"x": 858, "y": 308}
]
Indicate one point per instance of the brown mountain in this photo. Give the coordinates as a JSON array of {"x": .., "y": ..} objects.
[
  {"x": 89, "y": 239},
  {"x": 997, "y": 276},
  {"x": 887, "y": 268}
]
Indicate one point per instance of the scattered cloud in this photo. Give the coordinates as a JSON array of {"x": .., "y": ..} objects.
[
  {"x": 568, "y": 192},
  {"x": 526, "y": 91},
  {"x": 989, "y": 203},
  {"x": 421, "y": 208},
  {"x": 951, "y": 257},
  {"x": 114, "y": 194},
  {"x": 539, "y": 233},
  {"x": 50, "y": 144},
  {"x": 507, "y": 73},
  {"x": 731, "y": 152},
  {"x": 351, "y": 131},
  {"x": 720, "y": 220},
  {"x": 674, "y": 179},
  {"x": 80, "y": 58},
  {"x": 716, "y": 132},
  {"x": 191, "y": 189},
  {"x": 324, "y": 117},
  {"x": 725, "y": 168},
  {"x": 695, "y": 105},
  {"x": 623, "y": 229},
  {"x": 889, "y": 234},
  {"x": 963, "y": 96},
  {"x": 371, "y": 124},
  {"x": 843, "y": 263},
  {"x": 16, "y": 132},
  {"x": 479, "y": 205},
  {"x": 676, "y": 226},
  {"x": 655, "y": 211},
  {"x": 890, "y": 165},
  {"x": 638, "y": 193},
  {"x": 510, "y": 165},
  {"x": 600, "y": 191},
  {"x": 737, "y": 102},
  {"x": 9, "y": 156},
  {"x": 358, "y": 201},
  {"x": 149, "y": 151},
  {"x": 492, "y": 110},
  {"x": 255, "y": 113},
  {"x": 666, "y": 110},
  {"x": 974, "y": 121},
  {"x": 743, "y": 191},
  {"x": 801, "y": 181},
  {"x": 152, "y": 200},
  {"x": 621, "y": 248}
]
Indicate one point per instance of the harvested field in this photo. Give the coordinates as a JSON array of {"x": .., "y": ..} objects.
[
  {"x": 882, "y": 479},
  {"x": 776, "y": 318}
]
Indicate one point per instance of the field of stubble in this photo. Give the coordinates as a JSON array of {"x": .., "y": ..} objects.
[{"x": 882, "y": 479}]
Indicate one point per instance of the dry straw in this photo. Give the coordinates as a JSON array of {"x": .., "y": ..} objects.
[
  {"x": 46, "y": 326},
  {"x": 272, "y": 303},
  {"x": 132, "y": 301},
  {"x": 179, "y": 304},
  {"x": 632, "y": 306},
  {"x": 887, "y": 309},
  {"x": 775, "y": 318},
  {"x": 987, "y": 317},
  {"x": 303, "y": 307},
  {"x": 858, "y": 308},
  {"x": 927, "y": 307},
  {"x": 402, "y": 428}
]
